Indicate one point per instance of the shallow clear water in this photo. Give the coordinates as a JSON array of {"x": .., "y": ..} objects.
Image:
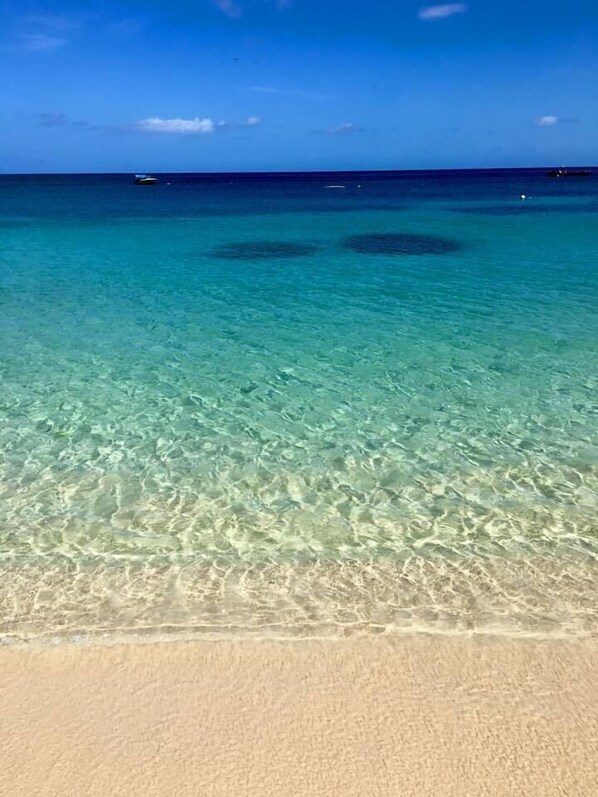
[{"x": 237, "y": 382}]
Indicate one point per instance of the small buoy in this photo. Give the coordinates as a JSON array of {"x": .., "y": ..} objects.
[{"x": 523, "y": 196}]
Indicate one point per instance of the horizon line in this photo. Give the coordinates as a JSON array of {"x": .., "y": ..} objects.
[{"x": 305, "y": 171}]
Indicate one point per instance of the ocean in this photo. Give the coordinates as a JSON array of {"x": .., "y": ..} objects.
[{"x": 261, "y": 404}]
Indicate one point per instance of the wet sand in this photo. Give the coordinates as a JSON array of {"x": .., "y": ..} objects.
[{"x": 413, "y": 715}]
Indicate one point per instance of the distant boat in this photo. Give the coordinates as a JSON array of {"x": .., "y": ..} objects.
[
  {"x": 569, "y": 173},
  {"x": 145, "y": 179}
]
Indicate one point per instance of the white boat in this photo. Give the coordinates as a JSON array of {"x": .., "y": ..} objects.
[{"x": 145, "y": 179}]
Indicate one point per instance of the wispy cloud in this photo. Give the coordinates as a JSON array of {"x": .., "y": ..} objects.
[
  {"x": 308, "y": 95},
  {"x": 153, "y": 124},
  {"x": 56, "y": 22},
  {"x": 39, "y": 33},
  {"x": 346, "y": 128},
  {"x": 431, "y": 13},
  {"x": 266, "y": 90},
  {"x": 40, "y": 42},
  {"x": 129, "y": 26},
  {"x": 196, "y": 126},
  {"x": 229, "y": 7},
  {"x": 233, "y": 9},
  {"x": 547, "y": 121},
  {"x": 59, "y": 119},
  {"x": 52, "y": 119}
]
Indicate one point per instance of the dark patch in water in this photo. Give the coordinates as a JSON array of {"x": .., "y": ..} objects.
[
  {"x": 401, "y": 244},
  {"x": 263, "y": 250}
]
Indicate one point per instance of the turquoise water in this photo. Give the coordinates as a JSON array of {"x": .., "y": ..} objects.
[{"x": 232, "y": 398}]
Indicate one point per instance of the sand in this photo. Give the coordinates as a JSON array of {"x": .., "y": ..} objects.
[{"x": 413, "y": 715}]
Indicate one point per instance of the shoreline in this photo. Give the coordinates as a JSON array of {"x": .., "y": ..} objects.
[
  {"x": 414, "y": 714},
  {"x": 244, "y": 636},
  {"x": 536, "y": 596}
]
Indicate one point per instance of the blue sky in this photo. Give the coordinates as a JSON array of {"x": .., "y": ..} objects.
[{"x": 226, "y": 85}]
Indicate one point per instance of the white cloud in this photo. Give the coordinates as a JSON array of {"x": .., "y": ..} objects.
[
  {"x": 40, "y": 42},
  {"x": 547, "y": 121},
  {"x": 343, "y": 129},
  {"x": 431, "y": 13},
  {"x": 178, "y": 126},
  {"x": 182, "y": 126}
]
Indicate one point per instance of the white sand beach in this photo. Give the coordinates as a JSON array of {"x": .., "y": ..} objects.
[{"x": 409, "y": 715}]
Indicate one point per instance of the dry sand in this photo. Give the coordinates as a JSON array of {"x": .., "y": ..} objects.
[{"x": 417, "y": 715}]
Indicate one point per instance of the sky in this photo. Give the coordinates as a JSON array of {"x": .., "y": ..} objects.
[{"x": 277, "y": 85}]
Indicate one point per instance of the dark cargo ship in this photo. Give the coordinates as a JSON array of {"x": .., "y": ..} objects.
[{"x": 569, "y": 173}]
